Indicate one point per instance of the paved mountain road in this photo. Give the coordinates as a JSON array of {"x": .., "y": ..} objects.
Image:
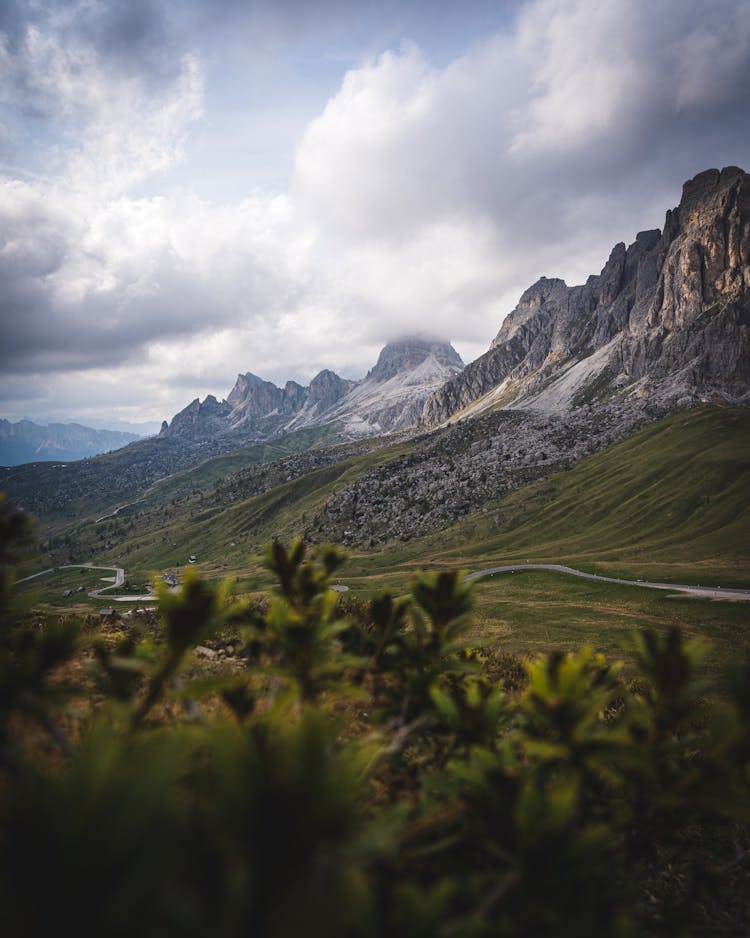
[
  {"x": 711, "y": 592},
  {"x": 119, "y": 579}
]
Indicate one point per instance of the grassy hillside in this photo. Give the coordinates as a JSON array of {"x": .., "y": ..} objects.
[
  {"x": 535, "y": 612},
  {"x": 159, "y": 534},
  {"x": 213, "y": 470},
  {"x": 146, "y": 473},
  {"x": 671, "y": 501},
  {"x": 676, "y": 491}
]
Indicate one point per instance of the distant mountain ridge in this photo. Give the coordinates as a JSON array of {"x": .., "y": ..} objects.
[
  {"x": 26, "y": 441},
  {"x": 667, "y": 319},
  {"x": 390, "y": 397}
]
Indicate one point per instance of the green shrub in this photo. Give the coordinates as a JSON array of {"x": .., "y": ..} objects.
[{"x": 365, "y": 774}]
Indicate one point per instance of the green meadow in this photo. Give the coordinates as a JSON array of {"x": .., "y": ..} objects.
[{"x": 670, "y": 503}]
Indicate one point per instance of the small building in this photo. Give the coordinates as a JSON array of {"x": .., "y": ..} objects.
[
  {"x": 80, "y": 589},
  {"x": 67, "y": 593},
  {"x": 192, "y": 558},
  {"x": 106, "y": 612}
]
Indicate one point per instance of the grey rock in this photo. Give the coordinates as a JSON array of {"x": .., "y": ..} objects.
[
  {"x": 460, "y": 469},
  {"x": 326, "y": 388},
  {"x": 195, "y": 419},
  {"x": 390, "y": 397},
  {"x": 203, "y": 652},
  {"x": 407, "y": 353},
  {"x": 667, "y": 319}
]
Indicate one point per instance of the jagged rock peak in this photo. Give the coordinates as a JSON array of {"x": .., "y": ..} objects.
[
  {"x": 193, "y": 419},
  {"x": 546, "y": 291},
  {"x": 667, "y": 320},
  {"x": 708, "y": 186},
  {"x": 408, "y": 352},
  {"x": 242, "y": 385},
  {"x": 327, "y": 387}
]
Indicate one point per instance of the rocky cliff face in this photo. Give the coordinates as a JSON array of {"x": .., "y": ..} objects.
[
  {"x": 667, "y": 319},
  {"x": 390, "y": 397},
  {"x": 198, "y": 419},
  {"x": 253, "y": 400}
]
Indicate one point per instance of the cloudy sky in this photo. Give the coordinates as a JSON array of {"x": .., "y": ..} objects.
[{"x": 194, "y": 188}]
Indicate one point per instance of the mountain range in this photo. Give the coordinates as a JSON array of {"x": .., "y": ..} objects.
[
  {"x": 667, "y": 320},
  {"x": 26, "y": 442},
  {"x": 390, "y": 397},
  {"x": 665, "y": 324}
]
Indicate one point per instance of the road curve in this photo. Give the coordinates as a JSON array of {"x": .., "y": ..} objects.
[
  {"x": 710, "y": 592},
  {"x": 119, "y": 580}
]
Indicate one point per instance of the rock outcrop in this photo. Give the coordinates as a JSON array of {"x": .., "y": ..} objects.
[
  {"x": 392, "y": 395},
  {"x": 667, "y": 319},
  {"x": 198, "y": 419}
]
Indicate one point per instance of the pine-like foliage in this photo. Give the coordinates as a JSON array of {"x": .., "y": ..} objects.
[{"x": 365, "y": 774}]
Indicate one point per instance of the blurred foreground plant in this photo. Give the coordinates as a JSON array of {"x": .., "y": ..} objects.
[{"x": 364, "y": 776}]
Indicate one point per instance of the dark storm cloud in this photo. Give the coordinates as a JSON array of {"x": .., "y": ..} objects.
[
  {"x": 33, "y": 246},
  {"x": 130, "y": 37},
  {"x": 42, "y": 332},
  {"x": 134, "y": 35},
  {"x": 15, "y": 18},
  {"x": 126, "y": 25},
  {"x": 116, "y": 27},
  {"x": 68, "y": 301}
]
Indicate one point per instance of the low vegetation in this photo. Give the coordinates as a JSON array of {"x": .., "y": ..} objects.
[
  {"x": 669, "y": 503},
  {"x": 359, "y": 768}
]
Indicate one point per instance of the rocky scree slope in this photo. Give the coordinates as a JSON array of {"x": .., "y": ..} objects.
[
  {"x": 255, "y": 480},
  {"x": 667, "y": 319},
  {"x": 445, "y": 475},
  {"x": 459, "y": 469},
  {"x": 389, "y": 398}
]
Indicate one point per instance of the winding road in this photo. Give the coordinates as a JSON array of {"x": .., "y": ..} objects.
[
  {"x": 710, "y": 592},
  {"x": 119, "y": 579}
]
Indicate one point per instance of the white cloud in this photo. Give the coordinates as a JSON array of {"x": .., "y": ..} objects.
[
  {"x": 583, "y": 76},
  {"x": 403, "y": 144},
  {"x": 130, "y": 136},
  {"x": 423, "y": 198}
]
